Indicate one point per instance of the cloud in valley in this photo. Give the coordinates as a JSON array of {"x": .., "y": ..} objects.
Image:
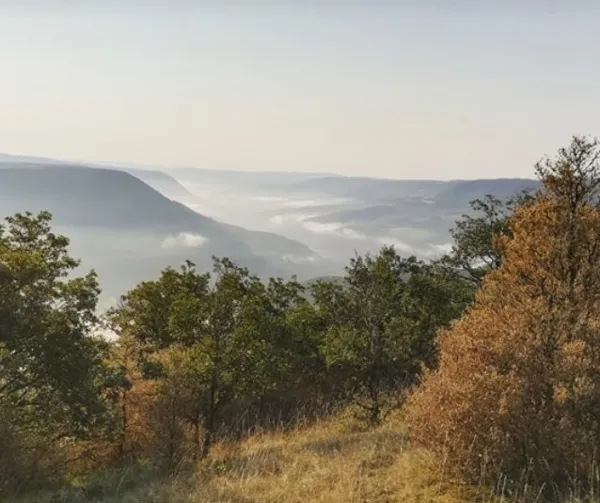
[
  {"x": 182, "y": 241},
  {"x": 334, "y": 228},
  {"x": 307, "y": 203},
  {"x": 293, "y": 217}
]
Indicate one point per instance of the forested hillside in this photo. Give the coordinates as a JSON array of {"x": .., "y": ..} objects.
[
  {"x": 473, "y": 377},
  {"x": 128, "y": 230}
]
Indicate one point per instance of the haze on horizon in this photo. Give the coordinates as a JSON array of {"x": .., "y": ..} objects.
[{"x": 363, "y": 89}]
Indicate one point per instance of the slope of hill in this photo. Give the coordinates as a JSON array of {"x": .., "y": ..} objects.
[
  {"x": 390, "y": 190},
  {"x": 165, "y": 184},
  {"x": 417, "y": 219},
  {"x": 459, "y": 194},
  {"x": 95, "y": 197},
  {"x": 369, "y": 188},
  {"x": 158, "y": 180},
  {"x": 450, "y": 195},
  {"x": 243, "y": 178},
  {"x": 113, "y": 199},
  {"x": 129, "y": 230}
]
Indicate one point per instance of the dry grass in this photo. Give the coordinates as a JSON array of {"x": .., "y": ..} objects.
[{"x": 331, "y": 462}]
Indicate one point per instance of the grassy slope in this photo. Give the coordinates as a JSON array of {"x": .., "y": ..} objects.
[{"x": 332, "y": 462}]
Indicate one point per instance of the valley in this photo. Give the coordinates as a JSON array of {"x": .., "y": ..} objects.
[{"x": 128, "y": 222}]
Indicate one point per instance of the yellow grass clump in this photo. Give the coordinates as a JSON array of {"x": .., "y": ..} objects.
[{"x": 329, "y": 463}]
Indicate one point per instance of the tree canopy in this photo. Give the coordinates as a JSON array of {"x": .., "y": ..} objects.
[{"x": 382, "y": 324}]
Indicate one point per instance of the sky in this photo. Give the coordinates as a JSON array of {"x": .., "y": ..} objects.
[{"x": 413, "y": 89}]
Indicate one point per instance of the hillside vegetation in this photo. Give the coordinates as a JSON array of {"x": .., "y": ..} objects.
[{"x": 469, "y": 378}]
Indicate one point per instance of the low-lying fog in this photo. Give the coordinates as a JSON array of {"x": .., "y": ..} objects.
[
  {"x": 297, "y": 217},
  {"x": 327, "y": 227}
]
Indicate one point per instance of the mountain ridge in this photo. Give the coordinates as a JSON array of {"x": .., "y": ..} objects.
[
  {"x": 124, "y": 188},
  {"x": 118, "y": 221}
]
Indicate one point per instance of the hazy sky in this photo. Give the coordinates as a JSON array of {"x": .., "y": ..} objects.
[{"x": 356, "y": 88}]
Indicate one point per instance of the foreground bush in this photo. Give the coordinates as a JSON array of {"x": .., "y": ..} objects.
[{"x": 516, "y": 397}]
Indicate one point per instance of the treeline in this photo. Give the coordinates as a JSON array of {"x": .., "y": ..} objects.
[{"x": 493, "y": 352}]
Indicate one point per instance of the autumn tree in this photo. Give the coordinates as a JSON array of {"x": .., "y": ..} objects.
[
  {"x": 381, "y": 326},
  {"x": 516, "y": 394}
]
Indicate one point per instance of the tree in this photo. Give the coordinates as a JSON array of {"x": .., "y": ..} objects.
[
  {"x": 382, "y": 325},
  {"x": 51, "y": 370},
  {"x": 475, "y": 251},
  {"x": 516, "y": 392},
  {"x": 209, "y": 339}
]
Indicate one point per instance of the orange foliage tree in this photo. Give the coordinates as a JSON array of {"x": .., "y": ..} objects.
[{"x": 517, "y": 390}]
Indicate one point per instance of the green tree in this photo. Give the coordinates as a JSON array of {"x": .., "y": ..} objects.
[
  {"x": 475, "y": 250},
  {"x": 382, "y": 324},
  {"x": 51, "y": 370},
  {"x": 226, "y": 331}
]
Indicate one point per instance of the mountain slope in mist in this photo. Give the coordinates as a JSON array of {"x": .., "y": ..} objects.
[
  {"x": 128, "y": 230},
  {"x": 160, "y": 181},
  {"x": 112, "y": 199},
  {"x": 451, "y": 192},
  {"x": 413, "y": 215}
]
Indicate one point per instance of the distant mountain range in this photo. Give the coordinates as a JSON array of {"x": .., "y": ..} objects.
[
  {"x": 255, "y": 179},
  {"x": 129, "y": 221},
  {"x": 413, "y": 215},
  {"x": 453, "y": 193},
  {"x": 367, "y": 188}
]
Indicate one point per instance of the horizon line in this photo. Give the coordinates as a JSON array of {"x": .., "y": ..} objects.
[{"x": 319, "y": 174}]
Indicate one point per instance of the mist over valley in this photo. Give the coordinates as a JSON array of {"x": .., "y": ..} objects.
[{"x": 129, "y": 222}]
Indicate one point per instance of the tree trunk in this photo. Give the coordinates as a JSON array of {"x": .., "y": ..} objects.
[
  {"x": 172, "y": 441},
  {"x": 375, "y": 409},
  {"x": 123, "y": 432},
  {"x": 375, "y": 417},
  {"x": 209, "y": 422},
  {"x": 196, "y": 425}
]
